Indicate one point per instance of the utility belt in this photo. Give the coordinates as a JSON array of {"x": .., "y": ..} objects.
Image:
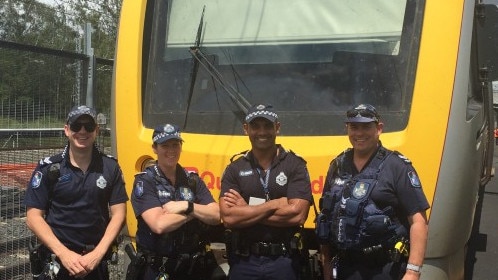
[
  {"x": 81, "y": 250},
  {"x": 240, "y": 246},
  {"x": 154, "y": 261},
  {"x": 263, "y": 249},
  {"x": 44, "y": 263},
  {"x": 376, "y": 258},
  {"x": 376, "y": 255},
  {"x": 45, "y": 253},
  {"x": 267, "y": 249},
  {"x": 172, "y": 264}
]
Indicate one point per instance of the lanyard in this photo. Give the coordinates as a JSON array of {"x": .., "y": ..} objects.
[{"x": 264, "y": 182}]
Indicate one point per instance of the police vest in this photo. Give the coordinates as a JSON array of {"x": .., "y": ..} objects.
[{"x": 349, "y": 219}]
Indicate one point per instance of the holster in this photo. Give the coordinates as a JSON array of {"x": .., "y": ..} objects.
[
  {"x": 137, "y": 263},
  {"x": 35, "y": 259}
]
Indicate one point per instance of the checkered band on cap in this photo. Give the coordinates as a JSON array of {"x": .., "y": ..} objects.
[
  {"x": 78, "y": 111},
  {"x": 163, "y": 133},
  {"x": 261, "y": 111}
]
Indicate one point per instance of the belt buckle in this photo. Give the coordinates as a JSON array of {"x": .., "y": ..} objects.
[{"x": 264, "y": 248}]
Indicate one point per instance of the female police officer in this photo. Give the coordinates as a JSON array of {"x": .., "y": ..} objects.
[
  {"x": 375, "y": 207},
  {"x": 169, "y": 203}
]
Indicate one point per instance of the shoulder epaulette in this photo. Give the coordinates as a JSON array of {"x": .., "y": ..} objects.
[
  {"x": 101, "y": 152},
  {"x": 110, "y": 156},
  {"x": 52, "y": 159},
  {"x": 340, "y": 157},
  {"x": 140, "y": 173},
  {"x": 238, "y": 155},
  {"x": 337, "y": 163},
  {"x": 298, "y": 156},
  {"x": 106, "y": 155},
  {"x": 402, "y": 157}
]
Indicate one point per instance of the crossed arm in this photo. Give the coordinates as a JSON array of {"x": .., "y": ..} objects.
[
  {"x": 281, "y": 212},
  {"x": 171, "y": 215}
]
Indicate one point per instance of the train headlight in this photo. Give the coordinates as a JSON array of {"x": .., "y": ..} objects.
[{"x": 146, "y": 162}]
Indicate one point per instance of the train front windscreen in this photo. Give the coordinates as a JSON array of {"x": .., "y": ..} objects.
[{"x": 312, "y": 60}]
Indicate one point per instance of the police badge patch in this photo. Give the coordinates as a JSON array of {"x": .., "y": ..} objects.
[
  {"x": 36, "y": 180},
  {"x": 185, "y": 194},
  {"x": 360, "y": 190},
  {"x": 414, "y": 179},
  {"x": 281, "y": 179},
  {"x": 139, "y": 189},
  {"x": 101, "y": 182}
]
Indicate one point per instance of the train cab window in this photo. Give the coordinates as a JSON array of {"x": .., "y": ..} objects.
[{"x": 204, "y": 74}]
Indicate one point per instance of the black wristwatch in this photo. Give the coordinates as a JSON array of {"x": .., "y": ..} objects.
[{"x": 190, "y": 208}]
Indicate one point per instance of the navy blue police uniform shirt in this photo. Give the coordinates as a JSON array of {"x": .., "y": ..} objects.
[
  {"x": 398, "y": 185},
  {"x": 77, "y": 204},
  {"x": 288, "y": 177},
  {"x": 148, "y": 193}
]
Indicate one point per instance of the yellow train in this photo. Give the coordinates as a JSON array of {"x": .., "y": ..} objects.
[{"x": 423, "y": 64}]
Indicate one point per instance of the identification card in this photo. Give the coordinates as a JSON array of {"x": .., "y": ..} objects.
[{"x": 256, "y": 200}]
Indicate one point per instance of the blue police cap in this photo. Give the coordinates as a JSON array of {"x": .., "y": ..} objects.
[
  {"x": 261, "y": 111},
  {"x": 362, "y": 113},
  {"x": 163, "y": 133},
  {"x": 78, "y": 111}
]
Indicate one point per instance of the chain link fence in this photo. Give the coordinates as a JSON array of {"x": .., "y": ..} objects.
[{"x": 37, "y": 90}]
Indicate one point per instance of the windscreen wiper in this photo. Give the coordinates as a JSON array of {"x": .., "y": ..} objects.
[
  {"x": 195, "y": 67},
  {"x": 238, "y": 99},
  {"x": 200, "y": 58}
]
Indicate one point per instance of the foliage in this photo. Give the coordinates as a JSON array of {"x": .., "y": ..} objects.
[
  {"x": 34, "y": 23},
  {"x": 59, "y": 26},
  {"x": 48, "y": 85},
  {"x": 103, "y": 15}
]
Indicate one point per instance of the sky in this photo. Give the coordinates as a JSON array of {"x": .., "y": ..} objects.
[{"x": 52, "y": 2}]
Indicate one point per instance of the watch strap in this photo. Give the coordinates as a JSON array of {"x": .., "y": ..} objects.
[
  {"x": 190, "y": 208},
  {"x": 413, "y": 267}
]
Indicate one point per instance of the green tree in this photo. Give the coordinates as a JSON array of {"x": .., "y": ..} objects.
[
  {"x": 48, "y": 82},
  {"x": 34, "y": 23},
  {"x": 30, "y": 79},
  {"x": 103, "y": 15}
]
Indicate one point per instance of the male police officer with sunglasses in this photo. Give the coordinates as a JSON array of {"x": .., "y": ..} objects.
[
  {"x": 76, "y": 204},
  {"x": 372, "y": 223}
]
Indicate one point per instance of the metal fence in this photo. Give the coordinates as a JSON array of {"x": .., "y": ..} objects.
[{"x": 37, "y": 89}]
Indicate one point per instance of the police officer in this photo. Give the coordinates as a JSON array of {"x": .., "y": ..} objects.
[
  {"x": 265, "y": 198},
  {"x": 68, "y": 201},
  {"x": 375, "y": 207},
  {"x": 172, "y": 208}
]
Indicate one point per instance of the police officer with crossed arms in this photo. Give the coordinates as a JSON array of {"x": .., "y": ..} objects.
[
  {"x": 265, "y": 198},
  {"x": 173, "y": 208},
  {"x": 373, "y": 221}
]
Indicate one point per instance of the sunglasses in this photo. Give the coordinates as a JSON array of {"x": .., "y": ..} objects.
[
  {"x": 366, "y": 113},
  {"x": 89, "y": 126}
]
